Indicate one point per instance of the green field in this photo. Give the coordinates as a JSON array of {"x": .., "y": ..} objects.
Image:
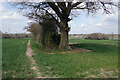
[
  {"x": 14, "y": 61},
  {"x": 101, "y": 62}
]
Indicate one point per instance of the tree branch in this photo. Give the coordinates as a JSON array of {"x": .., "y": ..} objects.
[
  {"x": 55, "y": 8},
  {"x": 61, "y": 5}
]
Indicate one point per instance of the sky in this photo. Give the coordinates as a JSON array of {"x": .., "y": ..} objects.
[{"x": 13, "y": 21}]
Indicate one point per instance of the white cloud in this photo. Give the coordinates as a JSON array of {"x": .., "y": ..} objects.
[
  {"x": 12, "y": 21},
  {"x": 83, "y": 25},
  {"x": 3, "y": 0},
  {"x": 9, "y": 14},
  {"x": 105, "y": 23},
  {"x": 99, "y": 24},
  {"x": 71, "y": 22},
  {"x": 12, "y": 15},
  {"x": 29, "y": 21}
]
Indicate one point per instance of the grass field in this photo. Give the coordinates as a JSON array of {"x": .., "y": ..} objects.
[
  {"x": 14, "y": 61},
  {"x": 101, "y": 62}
]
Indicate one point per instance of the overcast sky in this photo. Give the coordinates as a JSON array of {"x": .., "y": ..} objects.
[{"x": 13, "y": 22}]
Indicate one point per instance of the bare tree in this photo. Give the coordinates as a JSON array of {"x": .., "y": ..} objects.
[
  {"x": 35, "y": 29},
  {"x": 63, "y": 12}
]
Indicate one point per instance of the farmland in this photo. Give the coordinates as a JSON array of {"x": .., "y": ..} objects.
[
  {"x": 101, "y": 61},
  {"x": 54, "y": 39},
  {"x": 14, "y": 61}
]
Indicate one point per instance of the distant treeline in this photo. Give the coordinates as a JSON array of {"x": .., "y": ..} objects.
[
  {"x": 93, "y": 36},
  {"x": 97, "y": 36},
  {"x": 16, "y": 36}
]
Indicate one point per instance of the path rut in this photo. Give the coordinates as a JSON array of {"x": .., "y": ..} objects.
[{"x": 33, "y": 65}]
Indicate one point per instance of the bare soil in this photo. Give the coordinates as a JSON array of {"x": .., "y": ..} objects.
[
  {"x": 33, "y": 65},
  {"x": 75, "y": 50}
]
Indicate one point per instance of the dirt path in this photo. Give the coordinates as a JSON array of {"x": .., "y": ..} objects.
[{"x": 34, "y": 67}]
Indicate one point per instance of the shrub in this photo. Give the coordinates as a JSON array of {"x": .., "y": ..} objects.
[
  {"x": 50, "y": 37},
  {"x": 45, "y": 32}
]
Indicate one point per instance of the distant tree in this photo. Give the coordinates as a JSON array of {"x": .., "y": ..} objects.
[
  {"x": 35, "y": 29},
  {"x": 62, "y": 12},
  {"x": 97, "y": 36},
  {"x": 45, "y": 32}
]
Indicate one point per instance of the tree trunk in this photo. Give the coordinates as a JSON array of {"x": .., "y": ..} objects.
[{"x": 64, "y": 43}]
